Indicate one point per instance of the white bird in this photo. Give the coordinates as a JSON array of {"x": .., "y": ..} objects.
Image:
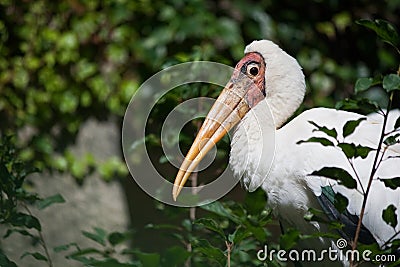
[{"x": 277, "y": 82}]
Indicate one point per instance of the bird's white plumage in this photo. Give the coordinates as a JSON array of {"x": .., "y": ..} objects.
[
  {"x": 290, "y": 188},
  {"x": 284, "y": 70}
]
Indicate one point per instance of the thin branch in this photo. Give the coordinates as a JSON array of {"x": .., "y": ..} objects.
[
  {"x": 392, "y": 131},
  {"x": 356, "y": 173},
  {"x": 381, "y": 112},
  {"x": 371, "y": 178},
  {"x": 194, "y": 176},
  {"x": 192, "y": 210},
  {"x": 383, "y": 154},
  {"x": 192, "y": 213},
  {"x": 41, "y": 238},
  {"x": 229, "y": 247},
  {"x": 194, "y": 183},
  {"x": 390, "y": 239}
]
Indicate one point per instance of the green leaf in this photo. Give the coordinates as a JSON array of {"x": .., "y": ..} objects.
[
  {"x": 148, "y": 259},
  {"x": 22, "y": 219},
  {"x": 350, "y": 126},
  {"x": 392, "y": 183},
  {"x": 83, "y": 252},
  {"x": 389, "y": 215},
  {"x": 397, "y": 123},
  {"x": 338, "y": 174},
  {"x": 48, "y": 201},
  {"x": 323, "y": 141},
  {"x": 110, "y": 262},
  {"x": 36, "y": 255},
  {"x": 212, "y": 225},
  {"x": 259, "y": 232},
  {"x": 365, "y": 83},
  {"x": 239, "y": 234},
  {"x": 348, "y": 149},
  {"x": 255, "y": 202},
  {"x": 65, "y": 247},
  {"x": 162, "y": 226},
  {"x": 187, "y": 224},
  {"x": 391, "y": 140},
  {"x": 315, "y": 215},
  {"x": 175, "y": 256},
  {"x": 330, "y": 132},
  {"x": 6, "y": 262},
  {"x": 68, "y": 40},
  {"x": 289, "y": 239},
  {"x": 211, "y": 252},
  {"x": 363, "y": 151},
  {"x": 341, "y": 202},
  {"x": 386, "y": 31},
  {"x": 391, "y": 82},
  {"x": 116, "y": 238},
  {"x": 219, "y": 209},
  {"x": 353, "y": 151},
  {"x": 20, "y": 231},
  {"x": 87, "y": 251},
  {"x": 364, "y": 105},
  {"x": 99, "y": 236},
  {"x": 362, "y": 84}
]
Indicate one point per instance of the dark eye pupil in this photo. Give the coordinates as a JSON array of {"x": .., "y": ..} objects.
[{"x": 254, "y": 71}]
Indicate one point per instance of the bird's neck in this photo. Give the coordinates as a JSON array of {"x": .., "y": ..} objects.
[
  {"x": 255, "y": 151},
  {"x": 253, "y": 142},
  {"x": 252, "y": 146},
  {"x": 284, "y": 98}
]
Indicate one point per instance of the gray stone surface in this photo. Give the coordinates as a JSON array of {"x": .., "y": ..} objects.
[{"x": 95, "y": 203}]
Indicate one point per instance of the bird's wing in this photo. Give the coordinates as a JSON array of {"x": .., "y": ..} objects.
[{"x": 349, "y": 221}]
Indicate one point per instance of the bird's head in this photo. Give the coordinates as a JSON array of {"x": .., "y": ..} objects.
[{"x": 267, "y": 73}]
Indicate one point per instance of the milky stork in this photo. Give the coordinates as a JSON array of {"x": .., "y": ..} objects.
[{"x": 277, "y": 79}]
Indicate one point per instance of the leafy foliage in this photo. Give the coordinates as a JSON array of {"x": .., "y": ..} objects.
[
  {"x": 392, "y": 183},
  {"x": 390, "y": 83},
  {"x": 350, "y": 126},
  {"x": 389, "y": 215},
  {"x": 14, "y": 197},
  {"x": 385, "y": 30},
  {"x": 62, "y": 63},
  {"x": 337, "y": 174},
  {"x": 242, "y": 227}
]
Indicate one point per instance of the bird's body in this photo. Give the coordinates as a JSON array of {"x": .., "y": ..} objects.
[
  {"x": 290, "y": 188},
  {"x": 279, "y": 162}
]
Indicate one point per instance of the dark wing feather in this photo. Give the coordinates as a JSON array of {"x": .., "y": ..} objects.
[{"x": 350, "y": 221}]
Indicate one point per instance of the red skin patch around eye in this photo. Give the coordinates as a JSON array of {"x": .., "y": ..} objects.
[{"x": 254, "y": 93}]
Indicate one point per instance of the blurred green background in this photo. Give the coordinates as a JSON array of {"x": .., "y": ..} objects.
[{"x": 63, "y": 63}]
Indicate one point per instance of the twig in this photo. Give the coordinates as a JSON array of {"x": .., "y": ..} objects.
[
  {"x": 193, "y": 178},
  {"x": 41, "y": 238},
  {"x": 390, "y": 239},
  {"x": 192, "y": 210},
  {"x": 392, "y": 131},
  {"x": 371, "y": 178},
  {"x": 381, "y": 159},
  {"x": 229, "y": 247},
  {"x": 357, "y": 176}
]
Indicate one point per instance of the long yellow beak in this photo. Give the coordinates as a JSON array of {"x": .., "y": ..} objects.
[{"x": 227, "y": 111}]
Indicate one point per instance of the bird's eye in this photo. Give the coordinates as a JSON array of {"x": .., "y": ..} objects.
[{"x": 252, "y": 69}]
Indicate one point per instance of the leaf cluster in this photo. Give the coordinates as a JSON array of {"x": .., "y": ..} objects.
[
  {"x": 390, "y": 83},
  {"x": 15, "y": 200}
]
